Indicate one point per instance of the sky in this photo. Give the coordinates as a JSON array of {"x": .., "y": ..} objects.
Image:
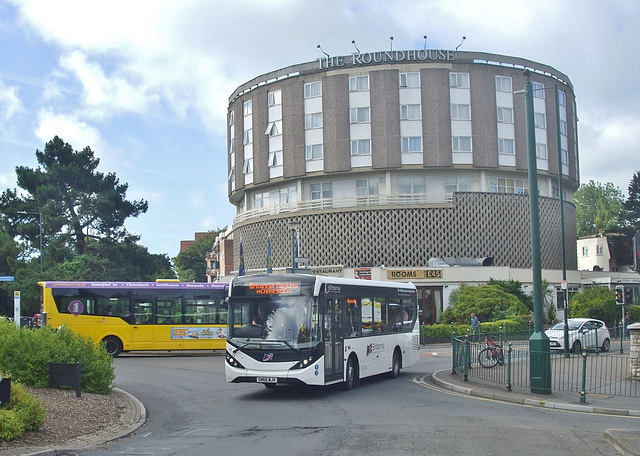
[{"x": 146, "y": 84}]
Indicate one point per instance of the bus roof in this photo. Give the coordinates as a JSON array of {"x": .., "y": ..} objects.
[
  {"x": 318, "y": 281},
  {"x": 136, "y": 285}
]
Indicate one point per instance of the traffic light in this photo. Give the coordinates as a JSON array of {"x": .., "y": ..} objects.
[
  {"x": 619, "y": 295},
  {"x": 628, "y": 295}
]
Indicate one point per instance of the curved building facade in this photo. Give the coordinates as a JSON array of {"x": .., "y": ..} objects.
[{"x": 399, "y": 158}]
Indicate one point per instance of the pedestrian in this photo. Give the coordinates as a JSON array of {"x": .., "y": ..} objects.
[
  {"x": 627, "y": 322},
  {"x": 475, "y": 325}
]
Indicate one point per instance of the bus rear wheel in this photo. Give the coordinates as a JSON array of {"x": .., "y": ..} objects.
[
  {"x": 396, "y": 364},
  {"x": 113, "y": 345}
]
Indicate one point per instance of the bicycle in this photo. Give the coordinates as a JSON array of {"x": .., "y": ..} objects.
[{"x": 492, "y": 354}]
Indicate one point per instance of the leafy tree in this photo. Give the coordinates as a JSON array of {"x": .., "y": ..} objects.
[
  {"x": 77, "y": 202},
  {"x": 599, "y": 207},
  {"x": 190, "y": 263},
  {"x": 632, "y": 205},
  {"x": 514, "y": 287},
  {"x": 595, "y": 302},
  {"x": 489, "y": 302}
]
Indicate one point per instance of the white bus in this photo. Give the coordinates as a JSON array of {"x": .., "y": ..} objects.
[{"x": 315, "y": 330}]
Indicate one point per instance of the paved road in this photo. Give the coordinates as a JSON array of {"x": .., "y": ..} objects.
[{"x": 193, "y": 411}]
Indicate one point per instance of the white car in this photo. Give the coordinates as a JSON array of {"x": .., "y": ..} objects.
[{"x": 584, "y": 334}]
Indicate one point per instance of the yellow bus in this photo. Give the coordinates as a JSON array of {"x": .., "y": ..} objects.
[{"x": 128, "y": 316}]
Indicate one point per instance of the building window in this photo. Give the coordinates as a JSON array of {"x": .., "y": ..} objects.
[
  {"x": 562, "y": 101},
  {"x": 321, "y": 190},
  {"x": 565, "y": 156},
  {"x": 313, "y": 152},
  {"x": 273, "y": 129},
  {"x": 313, "y": 120},
  {"x": 505, "y": 115},
  {"x": 538, "y": 89},
  {"x": 410, "y": 79},
  {"x": 247, "y": 137},
  {"x": 260, "y": 200},
  {"x": 505, "y": 146},
  {"x": 412, "y": 144},
  {"x": 358, "y": 83},
  {"x": 585, "y": 251},
  {"x": 460, "y": 112},
  {"x": 501, "y": 185},
  {"x": 275, "y": 158},
  {"x": 232, "y": 118},
  {"x": 274, "y": 98},
  {"x": 359, "y": 115},
  {"x": 411, "y": 184},
  {"x": 599, "y": 249},
  {"x": 459, "y": 80},
  {"x": 232, "y": 147},
  {"x": 288, "y": 195},
  {"x": 540, "y": 120},
  {"x": 367, "y": 187},
  {"x": 247, "y": 166},
  {"x": 247, "y": 107},
  {"x": 541, "y": 150},
  {"x": 503, "y": 84},
  {"x": 232, "y": 173},
  {"x": 563, "y": 127},
  {"x": 313, "y": 89},
  {"x": 410, "y": 112},
  {"x": 457, "y": 184},
  {"x": 461, "y": 143},
  {"x": 361, "y": 147}
]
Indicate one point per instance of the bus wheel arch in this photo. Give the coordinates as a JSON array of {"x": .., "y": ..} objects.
[
  {"x": 396, "y": 363},
  {"x": 113, "y": 345},
  {"x": 351, "y": 373}
]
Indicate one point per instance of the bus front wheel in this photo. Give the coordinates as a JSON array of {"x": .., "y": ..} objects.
[{"x": 113, "y": 345}]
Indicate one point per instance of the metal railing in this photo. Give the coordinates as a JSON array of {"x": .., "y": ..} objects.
[
  {"x": 433, "y": 199},
  {"x": 589, "y": 372}
]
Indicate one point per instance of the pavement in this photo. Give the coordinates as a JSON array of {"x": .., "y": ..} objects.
[
  {"x": 625, "y": 441},
  {"x": 133, "y": 416}
]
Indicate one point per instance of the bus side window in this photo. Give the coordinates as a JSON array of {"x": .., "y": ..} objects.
[{"x": 353, "y": 323}]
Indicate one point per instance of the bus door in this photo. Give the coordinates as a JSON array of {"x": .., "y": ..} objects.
[
  {"x": 333, "y": 340},
  {"x": 142, "y": 323}
]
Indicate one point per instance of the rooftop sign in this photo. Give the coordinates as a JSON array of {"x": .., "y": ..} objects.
[{"x": 366, "y": 58}]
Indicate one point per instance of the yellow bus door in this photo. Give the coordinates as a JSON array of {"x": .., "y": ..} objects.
[{"x": 142, "y": 324}]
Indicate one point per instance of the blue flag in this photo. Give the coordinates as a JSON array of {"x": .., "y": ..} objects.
[
  {"x": 269, "y": 265},
  {"x": 241, "y": 265}
]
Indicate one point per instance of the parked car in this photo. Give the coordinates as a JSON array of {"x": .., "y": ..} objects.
[{"x": 584, "y": 333}]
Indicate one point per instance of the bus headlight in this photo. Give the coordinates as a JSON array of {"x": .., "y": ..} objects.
[
  {"x": 231, "y": 361},
  {"x": 306, "y": 362}
]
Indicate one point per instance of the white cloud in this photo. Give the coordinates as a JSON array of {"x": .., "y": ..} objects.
[{"x": 10, "y": 104}]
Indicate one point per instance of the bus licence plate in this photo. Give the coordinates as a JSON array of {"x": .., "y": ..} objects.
[{"x": 267, "y": 380}]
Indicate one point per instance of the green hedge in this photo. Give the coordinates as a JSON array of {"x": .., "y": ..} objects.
[
  {"x": 441, "y": 331},
  {"x": 25, "y": 354}
]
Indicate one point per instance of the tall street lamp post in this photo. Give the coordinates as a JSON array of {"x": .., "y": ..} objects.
[
  {"x": 39, "y": 214},
  {"x": 539, "y": 349},
  {"x": 293, "y": 227}
]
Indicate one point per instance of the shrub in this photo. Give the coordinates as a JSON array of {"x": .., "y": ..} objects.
[
  {"x": 489, "y": 302},
  {"x": 25, "y": 353},
  {"x": 595, "y": 302},
  {"x": 24, "y": 412}
]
